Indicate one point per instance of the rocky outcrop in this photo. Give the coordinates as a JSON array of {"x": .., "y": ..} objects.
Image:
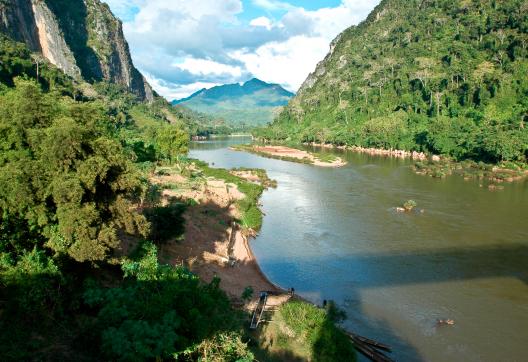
[
  {"x": 18, "y": 22},
  {"x": 106, "y": 38},
  {"x": 81, "y": 37},
  {"x": 320, "y": 69},
  {"x": 51, "y": 42}
]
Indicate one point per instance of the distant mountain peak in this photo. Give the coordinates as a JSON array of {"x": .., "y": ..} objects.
[
  {"x": 253, "y": 101},
  {"x": 255, "y": 81},
  {"x": 235, "y": 89}
]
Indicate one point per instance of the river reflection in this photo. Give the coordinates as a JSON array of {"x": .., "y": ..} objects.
[{"x": 333, "y": 234}]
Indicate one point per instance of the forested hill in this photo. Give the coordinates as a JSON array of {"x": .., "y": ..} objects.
[
  {"x": 442, "y": 76},
  {"x": 253, "y": 103}
]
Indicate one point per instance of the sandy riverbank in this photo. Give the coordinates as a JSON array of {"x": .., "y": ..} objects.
[
  {"x": 293, "y": 154},
  {"x": 204, "y": 249}
]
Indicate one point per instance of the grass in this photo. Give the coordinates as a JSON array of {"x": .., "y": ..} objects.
[
  {"x": 251, "y": 216},
  {"x": 171, "y": 186},
  {"x": 261, "y": 174},
  {"x": 325, "y": 157},
  {"x": 303, "y": 331}
]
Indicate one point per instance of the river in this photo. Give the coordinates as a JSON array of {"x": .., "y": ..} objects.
[{"x": 334, "y": 234}]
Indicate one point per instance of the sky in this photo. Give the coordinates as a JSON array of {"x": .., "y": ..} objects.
[{"x": 182, "y": 46}]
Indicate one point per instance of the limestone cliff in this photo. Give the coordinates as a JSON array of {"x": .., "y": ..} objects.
[{"x": 81, "y": 37}]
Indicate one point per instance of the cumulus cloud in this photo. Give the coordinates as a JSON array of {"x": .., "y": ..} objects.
[
  {"x": 176, "y": 91},
  {"x": 205, "y": 67},
  {"x": 287, "y": 63},
  {"x": 273, "y": 5},
  {"x": 185, "y": 45},
  {"x": 261, "y": 21}
]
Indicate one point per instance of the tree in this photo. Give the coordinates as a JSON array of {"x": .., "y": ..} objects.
[
  {"x": 159, "y": 311},
  {"x": 63, "y": 175},
  {"x": 172, "y": 142}
]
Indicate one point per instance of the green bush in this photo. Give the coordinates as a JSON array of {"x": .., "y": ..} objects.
[
  {"x": 316, "y": 328},
  {"x": 409, "y": 205},
  {"x": 160, "y": 311}
]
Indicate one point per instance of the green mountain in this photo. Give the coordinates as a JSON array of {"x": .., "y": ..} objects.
[
  {"x": 253, "y": 103},
  {"x": 441, "y": 76}
]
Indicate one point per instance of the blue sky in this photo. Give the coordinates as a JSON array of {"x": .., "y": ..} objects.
[
  {"x": 182, "y": 46},
  {"x": 252, "y": 11}
]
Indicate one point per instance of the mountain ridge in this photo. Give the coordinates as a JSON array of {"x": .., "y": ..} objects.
[
  {"x": 252, "y": 102},
  {"x": 250, "y": 86}
]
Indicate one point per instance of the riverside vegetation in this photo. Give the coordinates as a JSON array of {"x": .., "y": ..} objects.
[
  {"x": 438, "y": 76},
  {"x": 75, "y": 163}
]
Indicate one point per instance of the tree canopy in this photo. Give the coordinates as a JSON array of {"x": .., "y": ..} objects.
[{"x": 74, "y": 166}]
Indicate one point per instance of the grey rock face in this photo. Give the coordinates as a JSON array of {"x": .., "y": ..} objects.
[
  {"x": 81, "y": 37},
  {"x": 17, "y": 21},
  {"x": 320, "y": 69},
  {"x": 106, "y": 38},
  {"x": 51, "y": 40}
]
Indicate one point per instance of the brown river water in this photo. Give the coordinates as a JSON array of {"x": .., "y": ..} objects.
[{"x": 334, "y": 234}]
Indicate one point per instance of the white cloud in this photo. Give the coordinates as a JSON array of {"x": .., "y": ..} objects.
[
  {"x": 181, "y": 25},
  {"x": 290, "y": 61},
  {"x": 273, "y": 4},
  {"x": 184, "y": 45},
  {"x": 287, "y": 63},
  {"x": 173, "y": 91},
  {"x": 261, "y": 21},
  {"x": 205, "y": 67}
]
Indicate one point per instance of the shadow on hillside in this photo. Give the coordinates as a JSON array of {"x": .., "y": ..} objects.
[
  {"x": 281, "y": 356},
  {"x": 204, "y": 250}
]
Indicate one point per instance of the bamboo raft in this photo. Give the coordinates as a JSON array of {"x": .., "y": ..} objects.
[
  {"x": 370, "y": 348},
  {"x": 259, "y": 310}
]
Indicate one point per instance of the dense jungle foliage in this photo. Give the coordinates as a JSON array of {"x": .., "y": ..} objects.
[
  {"x": 442, "y": 76},
  {"x": 74, "y": 160}
]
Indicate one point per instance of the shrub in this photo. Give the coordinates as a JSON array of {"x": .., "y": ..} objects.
[
  {"x": 247, "y": 294},
  {"x": 409, "y": 205},
  {"x": 316, "y": 328}
]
